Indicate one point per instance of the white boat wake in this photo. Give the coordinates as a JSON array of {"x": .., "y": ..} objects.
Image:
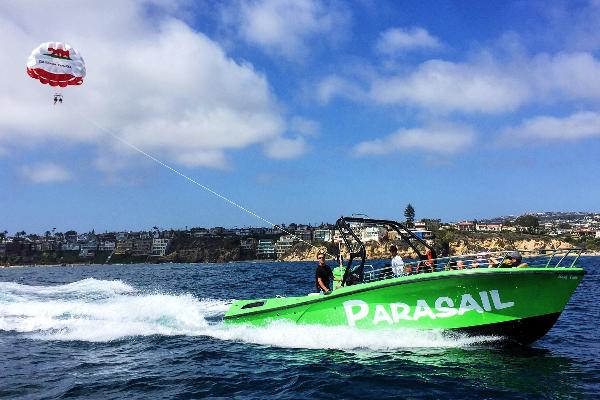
[{"x": 101, "y": 310}]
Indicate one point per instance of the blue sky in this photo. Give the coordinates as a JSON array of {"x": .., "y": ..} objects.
[{"x": 301, "y": 111}]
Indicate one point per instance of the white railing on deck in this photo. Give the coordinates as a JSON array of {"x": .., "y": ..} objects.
[{"x": 539, "y": 258}]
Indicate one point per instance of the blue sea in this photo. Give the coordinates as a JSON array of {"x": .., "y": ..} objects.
[{"x": 156, "y": 331}]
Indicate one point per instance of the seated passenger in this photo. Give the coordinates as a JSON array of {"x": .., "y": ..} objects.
[
  {"x": 517, "y": 260},
  {"x": 511, "y": 260},
  {"x": 427, "y": 263},
  {"x": 479, "y": 261},
  {"x": 451, "y": 265}
]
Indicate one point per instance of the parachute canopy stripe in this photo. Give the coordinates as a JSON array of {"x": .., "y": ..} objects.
[
  {"x": 56, "y": 64},
  {"x": 51, "y": 79}
]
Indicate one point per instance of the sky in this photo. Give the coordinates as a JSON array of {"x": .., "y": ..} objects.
[{"x": 299, "y": 111}]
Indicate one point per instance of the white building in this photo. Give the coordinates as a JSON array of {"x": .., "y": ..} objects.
[
  {"x": 467, "y": 226},
  {"x": 304, "y": 234},
  {"x": 265, "y": 248},
  {"x": 159, "y": 247},
  {"x": 121, "y": 236},
  {"x": 106, "y": 245},
  {"x": 68, "y": 246},
  {"x": 322, "y": 235},
  {"x": 488, "y": 227},
  {"x": 88, "y": 249},
  {"x": 373, "y": 233},
  {"x": 244, "y": 232},
  {"x": 420, "y": 226},
  {"x": 284, "y": 244}
]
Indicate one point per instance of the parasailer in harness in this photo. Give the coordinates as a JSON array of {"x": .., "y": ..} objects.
[{"x": 56, "y": 64}]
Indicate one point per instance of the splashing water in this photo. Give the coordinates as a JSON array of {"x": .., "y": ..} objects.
[{"x": 98, "y": 311}]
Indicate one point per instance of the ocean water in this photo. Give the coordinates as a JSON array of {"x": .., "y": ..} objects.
[{"x": 156, "y": 331}]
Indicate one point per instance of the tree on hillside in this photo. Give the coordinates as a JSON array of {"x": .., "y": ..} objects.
[
  {"x": 531, "y": 222},
  {"x": 409, "y": 213}
]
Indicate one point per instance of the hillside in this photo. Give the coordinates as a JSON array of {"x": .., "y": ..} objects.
[{"x": 458, "y": 243}]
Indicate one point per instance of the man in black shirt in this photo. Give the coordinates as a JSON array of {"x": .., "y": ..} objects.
[{"x": 323, "y": 275}]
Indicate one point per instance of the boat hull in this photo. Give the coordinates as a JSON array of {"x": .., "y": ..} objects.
[{"x": 519, "y": 305}]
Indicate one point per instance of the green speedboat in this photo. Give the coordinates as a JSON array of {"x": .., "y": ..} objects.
[{"x": 476, "y": 294}]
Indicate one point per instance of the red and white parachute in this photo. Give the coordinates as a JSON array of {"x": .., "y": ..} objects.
[{"x": 56, "y": 64}]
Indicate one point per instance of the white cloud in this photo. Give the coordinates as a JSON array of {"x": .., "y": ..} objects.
[
  {"x": 484, "y": 84},
  {"x": 399, "y": 40},
  {"x": 156, "y": 82},
  {"x": 571, "y": 75},
  {"x": 577, "y": 126},
  {"x": 448, "y": 86},
  {"x": 285, "y": 149},
  {"x": 46, "y": 172},
  {"x": 304, "y": 126},
  {"x": 567, "y": 25},
  {"x": 286, "y": 27},
  {"x": 335, "y": 86},
  {"x": 440, "y": 139}
]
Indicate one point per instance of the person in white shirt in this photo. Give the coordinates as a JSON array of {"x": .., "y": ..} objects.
[{"x": 397, "y": 263}]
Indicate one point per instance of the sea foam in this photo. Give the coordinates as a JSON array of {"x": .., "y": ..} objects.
[{"x": 98, "y": 311}]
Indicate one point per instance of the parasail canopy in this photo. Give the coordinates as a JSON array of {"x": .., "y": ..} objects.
[{"x": 56, "y": 64}]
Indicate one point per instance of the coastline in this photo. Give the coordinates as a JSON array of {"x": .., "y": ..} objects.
[
  {"x": 227, "y": 250},
  {"x": 253, "y": 261}
]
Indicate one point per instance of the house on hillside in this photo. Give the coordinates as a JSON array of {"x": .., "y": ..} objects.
[
  {"x": 159, "y": 247},
  {"x": 284, "y": 244},
  {"x": 322, "y": 235},
  {"x": 488, "y": 227},
  {"x": 265, "y": 249},
  {"x": 466, "y": 226},
  {"x": 248, "y": 244}
]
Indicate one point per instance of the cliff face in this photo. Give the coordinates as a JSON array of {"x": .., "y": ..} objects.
[
  {"x": 458, "y": 246},
  {"x": 497, "y": 244},
  {"x": 303, "y": 252},
  {"x": 192, "y": 250}
]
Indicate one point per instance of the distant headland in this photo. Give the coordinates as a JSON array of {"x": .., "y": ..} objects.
[{"x": 291, "y": 242}]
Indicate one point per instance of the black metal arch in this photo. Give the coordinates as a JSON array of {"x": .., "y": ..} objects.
[{"x": 343, "y": 226}]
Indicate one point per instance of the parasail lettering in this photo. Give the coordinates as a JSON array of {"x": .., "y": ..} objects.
[
  {"x": 51, "y": 63},
  {"x": 443, "y": 307}
]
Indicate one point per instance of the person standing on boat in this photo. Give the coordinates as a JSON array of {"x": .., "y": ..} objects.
[
  {"x": 323, "y": 275},
  {"x": 397, "y": 262}
]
